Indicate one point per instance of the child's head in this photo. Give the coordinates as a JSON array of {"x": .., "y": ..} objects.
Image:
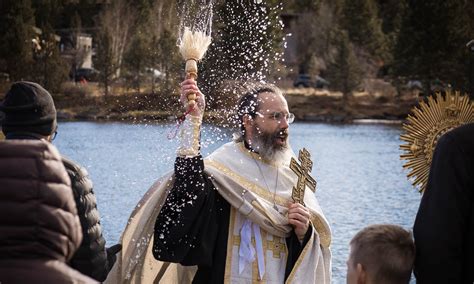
[{"x": 381, "y": 254}]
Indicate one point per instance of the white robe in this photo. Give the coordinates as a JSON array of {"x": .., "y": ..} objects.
[{"x": 238, "y": 179}]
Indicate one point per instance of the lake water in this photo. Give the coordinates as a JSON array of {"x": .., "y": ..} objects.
[{"x": 357, "y": 167}]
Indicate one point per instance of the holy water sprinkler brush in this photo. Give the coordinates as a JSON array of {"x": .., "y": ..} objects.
[{"x": 193, "y": 46}]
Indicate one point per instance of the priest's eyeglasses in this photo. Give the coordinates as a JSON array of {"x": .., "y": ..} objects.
[{"x": 279, "y": 116}]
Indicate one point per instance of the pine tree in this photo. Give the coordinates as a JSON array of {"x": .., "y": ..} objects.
[
  {"x": 87, "y": 10},
  {"x": 136, "y": 58},
  {"x": 105, "y": 62},
  {"x": 364, "y": 26},
  {"x": 50, "y": 69},
  {"x": 344, "y": 74},
  {"x": 315, "y": 48},
  {"x": 169, "y": 58},
  {"x": 48, "y": 12},
  {"x": 16, "y": 35},
  {"x": 301, "y": 6},
  {"x": 246, "y": 43},
  {"x": 431, "y": 45},
  {"x": 392, "y": 13}
]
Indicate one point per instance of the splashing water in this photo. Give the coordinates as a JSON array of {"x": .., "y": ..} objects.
[
  {"x": 196, "y": 16},
  {"x": 248, "y": 45}
]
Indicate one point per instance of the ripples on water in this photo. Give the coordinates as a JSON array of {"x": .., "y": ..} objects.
[{"x": 357, "y": 167}]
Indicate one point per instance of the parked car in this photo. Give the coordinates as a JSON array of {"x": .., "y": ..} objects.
[
  {"x": 302, "y": 81},
  {"x": 306, "y": 81},
  {"x": 436, "y": 85},
  {"x": 321, "y": 83},
  {"x": 88, "y": 74},
  {"x": 414, "y": 84}
]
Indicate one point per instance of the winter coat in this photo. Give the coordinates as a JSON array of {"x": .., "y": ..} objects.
[
  {"x": 39, "y": 226},
  {"x": 444, "y": 225},
  {"x": 91, "y": 257}
]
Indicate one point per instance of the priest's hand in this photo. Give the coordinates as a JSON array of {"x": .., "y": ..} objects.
[
  {"x": 189, "y": 86},
  {"x": 298, "y": 217}
]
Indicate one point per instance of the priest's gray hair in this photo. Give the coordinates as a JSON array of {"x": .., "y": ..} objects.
[{"x": 249, "y": 104}]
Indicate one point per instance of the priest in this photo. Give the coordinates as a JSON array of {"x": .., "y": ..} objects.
[{"x": 230, "y": 217}]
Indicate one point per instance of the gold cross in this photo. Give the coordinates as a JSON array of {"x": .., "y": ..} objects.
[
  {"x": 276, "y": 246},
  {"x": 303, "y": 175}
]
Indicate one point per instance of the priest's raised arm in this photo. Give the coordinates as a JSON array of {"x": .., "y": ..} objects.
[{"x": 194, "y": 217}]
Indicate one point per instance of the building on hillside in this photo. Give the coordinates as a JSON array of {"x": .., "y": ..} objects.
[{"x": 76, "y": 48}]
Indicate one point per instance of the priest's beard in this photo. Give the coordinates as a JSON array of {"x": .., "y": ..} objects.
[{"x": 265, "y": 144}]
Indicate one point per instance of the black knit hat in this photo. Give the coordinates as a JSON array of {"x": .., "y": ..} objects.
[{"x": 28, "y": 107}]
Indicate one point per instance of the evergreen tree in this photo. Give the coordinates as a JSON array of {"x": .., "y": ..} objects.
[
  {"x": 105, "y": 62},
  {"x": 87, "y": 10},
  {"x": 136, "y": 59},
  {"x": 315, "y": 48},
  {"x": 431, "y": 45},
  {"x": 16, "y": 35},
  {"x": 51, "y": 69},
  {"x": 301, "y": 6},
  {"x": 360, "y": 19},
  {"x": 48, "y": 12},
  {"x": 169, "y": 58},
  {"x": 344, "y": 74},
  {"x": 465, "y": 26},
  {"x": 246, "y": 44},
  {"x": 392, "y": 13}
]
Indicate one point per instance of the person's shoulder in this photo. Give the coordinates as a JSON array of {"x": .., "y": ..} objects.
[
  {"x": 73, "y": 168},
  {"x": 462, "y": 135},
  {"x": 222, "y": 150},
  {"x": 29, "y": 148},
  {"x": 465, "y": 131}
]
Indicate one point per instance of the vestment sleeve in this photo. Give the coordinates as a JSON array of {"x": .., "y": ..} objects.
[
  {"x": 442, "y": 220},
  {"x": 294, "y": 249},
  {"x": 187, "y": 226}
]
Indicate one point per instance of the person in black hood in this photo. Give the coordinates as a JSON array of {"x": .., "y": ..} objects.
[
  {"x": 444, "y": 224},
  {"x": 29, "y": 113}
]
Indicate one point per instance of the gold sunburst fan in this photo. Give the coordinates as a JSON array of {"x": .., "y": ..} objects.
[{"x": 429, "y": 121}]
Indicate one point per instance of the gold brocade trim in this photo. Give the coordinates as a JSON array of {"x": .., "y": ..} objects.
[
  {"x": 275, "y": 245},
  {"x": 193, "y": 149},
  {"x": 260, "y": 191},
  {"x": 255, "y": 274},
  {"x": 425, "y": 126},
  {"x": 230, "y": 247},
  {"x": 298, "y": 262},
  {"x": 197, "y": 121},
  {"x": 324, "y": 234}
]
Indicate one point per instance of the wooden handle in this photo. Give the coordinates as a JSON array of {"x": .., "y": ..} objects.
[
  {"x": 191, "y": 73},
  {"x": 191, "y": 97}
]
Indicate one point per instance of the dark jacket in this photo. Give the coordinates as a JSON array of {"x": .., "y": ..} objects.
[
  {"x": 91, "y": 257},
  {"x": 39, "y": 226},
  {"x": 444, "y": 225}
]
